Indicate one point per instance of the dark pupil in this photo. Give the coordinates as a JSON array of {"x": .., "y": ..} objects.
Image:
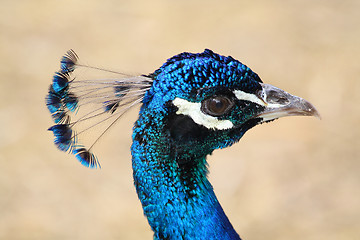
[{"x": 218, "y": 105}]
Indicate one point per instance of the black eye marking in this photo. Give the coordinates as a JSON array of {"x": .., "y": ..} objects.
[{"x": 216, "y": 105}]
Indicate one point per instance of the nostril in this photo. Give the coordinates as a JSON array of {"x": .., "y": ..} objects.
[
  {"x": 277, "y": 97},
  {"x": 282, "y": 100}
]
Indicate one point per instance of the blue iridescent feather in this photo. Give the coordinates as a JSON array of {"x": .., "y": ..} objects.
[
  {"x": 60, "y": 116},
  {"x": 63, "y": 136},
  {"x": 71, "y": 101},
  {"x": 53, "y": 102},
  {"x": 68, "y": 62},
  {"x": 66, "y": 95},
  {"x": 111, "y": 106},
  {"x": 60, "y": 82},
  {"x": 86, "y": 158}
]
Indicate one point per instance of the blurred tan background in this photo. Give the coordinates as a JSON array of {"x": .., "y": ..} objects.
[{"x": 296, "y": 178}]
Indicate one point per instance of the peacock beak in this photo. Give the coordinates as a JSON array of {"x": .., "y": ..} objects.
[{"x": 279, "y": 103}]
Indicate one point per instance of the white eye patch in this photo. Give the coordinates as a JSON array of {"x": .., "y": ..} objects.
[
  {"x": 249, "y": 97},
  {"x": 193, "y": 110},
  {"x": 253, "y": 98}
]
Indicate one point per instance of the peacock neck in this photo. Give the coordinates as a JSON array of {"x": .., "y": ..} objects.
[{"x": 177, "y": 198}]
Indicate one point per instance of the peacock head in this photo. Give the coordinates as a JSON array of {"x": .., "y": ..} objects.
[
  {"x": 210, "y": 101},
  {"x": 200, "y": 102}
]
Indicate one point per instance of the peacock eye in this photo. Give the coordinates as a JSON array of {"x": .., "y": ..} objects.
[{"x": 216, "y": 106}]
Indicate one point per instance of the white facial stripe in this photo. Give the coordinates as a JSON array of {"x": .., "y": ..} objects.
[
  {"x": 248, "y": 97},
  {"x": 193, "y": 110},
  {"x": 252, "y": 98},
  {"x": 273, "y": 115}
]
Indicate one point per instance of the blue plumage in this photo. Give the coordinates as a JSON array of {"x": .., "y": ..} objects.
[
  {"x": 53, "y": 102},
  {"x": 86, "y": 158},
  {"x": 192, "y": 105},
  {"x": 173, "y": 160},
  {"x": 68, "y": 62},
  {"x": 60, "y": 82},
  {"x": 71, "y": 101},
  {"x": 63, "y": 136},
  {"x": 59, "y": 101}
]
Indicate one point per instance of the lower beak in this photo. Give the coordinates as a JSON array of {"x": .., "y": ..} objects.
[{"x": 279, "y": 103}]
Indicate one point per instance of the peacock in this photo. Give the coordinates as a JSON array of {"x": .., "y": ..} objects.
[{"x": 193, "y": 104}]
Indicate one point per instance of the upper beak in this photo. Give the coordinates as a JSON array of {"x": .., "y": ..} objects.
[{"x": 279, "y": 103}]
